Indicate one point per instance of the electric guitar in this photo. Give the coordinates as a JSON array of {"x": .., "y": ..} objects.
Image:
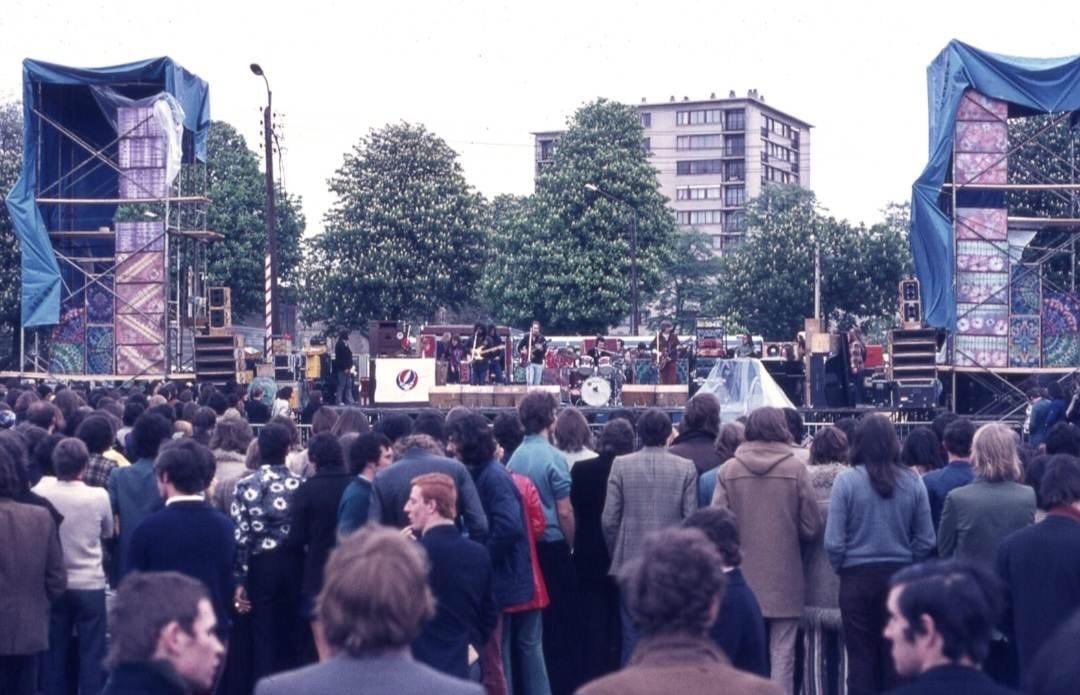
[{"x": 479, "y": 353}]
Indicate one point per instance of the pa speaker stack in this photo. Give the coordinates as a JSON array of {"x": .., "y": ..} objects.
[
  {"x": 910, "y": 304},
  {"x": 219, "y": 359},
  {"x": 220, "y": 309},
  {"x": 385, "y": 338}
]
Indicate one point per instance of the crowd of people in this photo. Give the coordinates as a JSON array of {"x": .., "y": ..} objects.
[{"x": 159, "y": 543}]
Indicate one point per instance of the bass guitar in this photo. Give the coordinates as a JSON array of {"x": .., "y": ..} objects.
[{"x": 479, "y": 353}]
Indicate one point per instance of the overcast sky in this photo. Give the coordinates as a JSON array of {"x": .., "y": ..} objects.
[{"x": 482, "y": 75}]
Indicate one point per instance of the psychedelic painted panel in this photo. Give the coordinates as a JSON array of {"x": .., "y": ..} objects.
[
  {"x": 132, "y": 360},
  {"x": 1024, "y": 345},
  {"x": 977, "y": 107},
  {"x": 142, "y": 183},
  {"x": 66, "y": 358},
  {"x": 147, "y": 298},
  {"x": 982, "y": 288},
  {"x": 982, "y": 136},
  {"x": 136, "y": 329},
  {"x": 139, "y": 236},
  {"x": 99, "y": 362},
  {"x": 99, "y": 300},
  {"x": 1060, "y": 330},
  {"x": 1025, "y": 288},
  {"x": 981, "y": 256},
  {"x": 140, "y": 267},
  {"x": 978, "y": 168},
  {"x": 981, "y": 351},
  {"x": 982, "y": 320},
  {"x": 990, "y": 224},
  {"x": 72, "y": 326}
]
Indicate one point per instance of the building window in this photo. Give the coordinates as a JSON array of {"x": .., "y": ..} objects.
[
  {"x": 699, "y": 117},
  {"x": 735, "y": 196},
  {"x": 695, "y": 167},
  {"x": 698, "y": 193},
  {"x": 646, "y": 144},
  {"x": 646, "y": 120},
  {"x": 735, "y": 145},
  {"x": 735, "y": 171},
  {"x": 692, "y": 217},
  {"x": 735, "y": 119},
  {"x": 734, "y": 221},
  {"x": 717, "y": 243},
  {"x": 547, "y": 150},
  {"x": 712, "y": 141}
]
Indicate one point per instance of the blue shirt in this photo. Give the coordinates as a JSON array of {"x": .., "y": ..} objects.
[
  {"x": 941, "y": 482},
  {"x": 134, "y": 494},
  {"x": 352, "y": 511},
  {"x": 546, "y": 467}
]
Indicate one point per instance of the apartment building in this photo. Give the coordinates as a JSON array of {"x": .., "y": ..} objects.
[{"x": 713, "y": 156}]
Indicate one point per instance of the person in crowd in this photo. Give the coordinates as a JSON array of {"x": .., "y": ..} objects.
[
  {"x": 941, "y": 618},
  {"x": 1059, "y": 403},
  {"x": 592, "y": 561},
  {"x": 80, "y": 610},
  {"x": 367, "y": 455},
  {"x": 282, "y": 405},
  {"x": 573, "y": 436},
  {"x": 921, "y": 451},
  {"x": 957, "y": 472},
  {"x": 507, "y": 544},
  {"x": 229, "y": 444},
  {"x": 461, "y": 578},
  {"x": 797, "y": 428},
  {"x": 731, "y": 435},
  {"x": 1037, "y": 424},
  {"x": 202, "y": 425},
  {"x": 823, "y": 640},
  {"x": 546, "y": 467},
  {"x": 1040, "y": 564},
  {"x": 1056, "y": 670},
  {"x": 32, "y": 576},
  {"x": 343, "y": 368},
  {"x": 315, "y": 402},
  {"x": 675, "y": 590},
  {"x": 188, "y": 535},
  {"x": 133, "y": 490},
  {"x": 739, "y": 629},
  {"x": 879, "y": 522},
  {"x": 509, "y": 434},
  {"x": 96, "y": 432},
  {"x": 41, "y": 466},
  {"x": 314, "y": 523},
  {"x": 432, "y": 423},
  {"x": 647, "y": 491},
  {"x": 698, "y": 431},
  {"x": 768, "y": 488},
  {"x": 351, "y": 420},
  {"x": 164, "y": 637},
  {"x": 267, "y": 570},
  {"x": 392, "y": 486},
  {"x": 1063, "y": 438},
  {"x": 395, "y": 426},
  {"x": 258, "y": 413},
  {"x": 939, "y": 423},
  {"x": 375, "y": 601},
  {"x": 979, "y": 515},
  {"x": 46, "y": 416}
]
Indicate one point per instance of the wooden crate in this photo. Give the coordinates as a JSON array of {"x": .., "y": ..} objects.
[
  {"x": 639, "y": 395},
  {"x": 508, "y": 396},
  {"x": 670, "y": 396},
  {"x": 445, "y": 397},
  {"x": 478, "y": 396}
]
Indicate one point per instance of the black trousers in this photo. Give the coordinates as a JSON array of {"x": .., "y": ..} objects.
[
  {"x": 562, "y": 619},
  {"x": 863, "y": 592},
  {"x": 273, "y": 587},
  {"x": 18, "y": 673}
]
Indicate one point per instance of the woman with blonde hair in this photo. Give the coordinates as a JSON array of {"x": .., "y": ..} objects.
[{"x": 979, "y": 515}]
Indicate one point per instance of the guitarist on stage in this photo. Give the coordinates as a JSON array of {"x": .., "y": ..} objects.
[
  {"x": 494, "y": 354},
  {"x": 532, "y": 347},
  {"x": 478, "y": 366},
  {"x": 667, "y": 353}
]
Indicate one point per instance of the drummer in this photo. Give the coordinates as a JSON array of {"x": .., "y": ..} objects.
[{"x": 597, "y": 350}]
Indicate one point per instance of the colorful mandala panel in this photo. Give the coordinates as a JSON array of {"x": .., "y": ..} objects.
[
  {"x": 66, "y": 358},
  {"x": 1025, "y": 289},
  {"x": 1025, "y": 349}
]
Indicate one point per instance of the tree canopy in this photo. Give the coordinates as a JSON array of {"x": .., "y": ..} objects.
[
  {"x": 10, "y": 163},
  {"x": 403, "y": 237}
]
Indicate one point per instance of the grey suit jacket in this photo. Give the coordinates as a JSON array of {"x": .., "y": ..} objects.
[
  {"x": 647, "y": 491},
  {"x": 388, "y": 673},
  {"x": 32, "y": 575}
]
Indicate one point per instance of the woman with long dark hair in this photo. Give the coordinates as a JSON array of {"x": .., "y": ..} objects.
[{"x": 878, "y": 522}]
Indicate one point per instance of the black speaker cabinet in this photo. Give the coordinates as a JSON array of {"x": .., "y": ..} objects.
[{"x": 385, "y": 338}]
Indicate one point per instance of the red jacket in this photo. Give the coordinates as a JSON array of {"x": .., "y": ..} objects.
[{"x": 534, "y": 517}]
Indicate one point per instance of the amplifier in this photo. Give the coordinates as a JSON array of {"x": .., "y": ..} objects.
[{"x": 916, "y": 396}]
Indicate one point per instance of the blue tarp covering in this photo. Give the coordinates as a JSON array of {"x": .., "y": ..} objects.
[
  {"x": 1030, "y": 86},
  {"x": 64, "y": 95}
]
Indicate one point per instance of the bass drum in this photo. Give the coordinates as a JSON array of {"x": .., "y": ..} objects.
[{"x": 596, "y": 391}]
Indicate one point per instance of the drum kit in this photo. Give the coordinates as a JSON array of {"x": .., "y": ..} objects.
[{"x": 597, "y": 385}]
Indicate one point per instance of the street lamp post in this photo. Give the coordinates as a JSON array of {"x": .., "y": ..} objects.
[
  {"x": 634, "y": 313},
  {"x": 271, "y": 218}
]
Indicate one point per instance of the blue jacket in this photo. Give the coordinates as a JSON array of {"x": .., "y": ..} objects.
[
  {"x": 134, "y": 494},
  {"x": 941, "y": 482},
  {"x": 506, "y": 542},
  {"x": 739, "y": 628}
]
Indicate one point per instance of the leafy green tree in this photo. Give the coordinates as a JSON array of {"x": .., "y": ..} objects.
[
  {"x": 690, "y": 280},
  {"x": 564, "y": 254},
  {"x": 10, "y": 163},
  {"x": 236, "y": 186},
  {"x": 768, "y": 282},
  {"x": 402, "y": 239}
]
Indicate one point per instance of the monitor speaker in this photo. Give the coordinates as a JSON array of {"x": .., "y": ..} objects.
[
  {"x": 220, "y": 307},
  {"x": 910, "y": 304}
]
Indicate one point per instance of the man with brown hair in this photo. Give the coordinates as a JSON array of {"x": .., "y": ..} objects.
[
  {"x": 374, "y": 601},
  {"x": 674, "y": 592},
  {"x": 768, "y": 488},
  {"x": 460, "y": 577}
]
